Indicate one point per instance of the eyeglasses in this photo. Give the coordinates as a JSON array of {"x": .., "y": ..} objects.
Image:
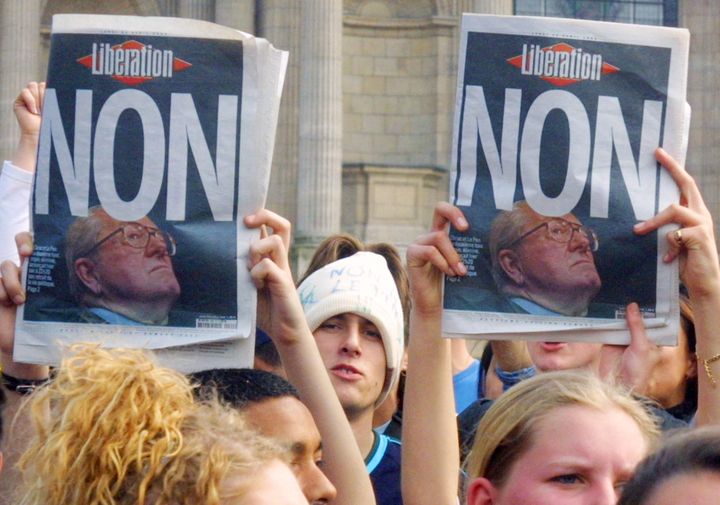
[
  {"x": 562, "y": 231},
  {"x": 137, "y": 235}
]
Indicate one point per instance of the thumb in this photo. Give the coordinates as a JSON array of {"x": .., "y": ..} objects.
[{"x": 638, "y": 336}]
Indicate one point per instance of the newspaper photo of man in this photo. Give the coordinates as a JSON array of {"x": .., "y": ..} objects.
[
  {"x": 543, "y": 265},
  {"x": 121, "y": 272}
]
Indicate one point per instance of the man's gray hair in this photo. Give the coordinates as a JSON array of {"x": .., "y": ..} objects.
[
  {"x": 81, "y": 236},
  {"x": 506, "y": 228}
]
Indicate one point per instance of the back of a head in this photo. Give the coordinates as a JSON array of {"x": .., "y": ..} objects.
[
  {"x": 219, "y": 456},
  {"x": 113, "y": 427},
  {"x": 685, "y": 453},
  {"x": 105, "y": 415},
  {"x": 505, "y": 431},
  {"x": 239, "y": 387}
]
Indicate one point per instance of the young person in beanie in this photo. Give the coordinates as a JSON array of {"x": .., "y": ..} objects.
[{"x": 354, "y": 298}]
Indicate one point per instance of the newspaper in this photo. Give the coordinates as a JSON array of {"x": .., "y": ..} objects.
[
  {"x": 556, "y": 123},
  {"x": 157, "y": 137}
]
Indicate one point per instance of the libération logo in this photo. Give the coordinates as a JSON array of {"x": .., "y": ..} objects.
[
  {"x": 132, "y": 62},
  {"x": 561, "y": 64}
]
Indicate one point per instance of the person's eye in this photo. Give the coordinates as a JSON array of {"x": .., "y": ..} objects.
[
  {"x": 568, "y": 478},
  {"x": 319, "y": 463},
  {"x": 133, "y": 234},
  {"x": 556, "y": 229},
  {"x": 329, "y": 325},
  {"x": 619, "y": 486},
  {"x": 373, "y": 333}
]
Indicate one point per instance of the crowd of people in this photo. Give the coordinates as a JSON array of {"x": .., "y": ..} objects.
[{"x": 355, "y": 397}]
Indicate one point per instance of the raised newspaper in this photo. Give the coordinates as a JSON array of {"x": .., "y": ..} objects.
[
  {"x": 157, "y": 137},
  {"x": 556, "y": 124}
]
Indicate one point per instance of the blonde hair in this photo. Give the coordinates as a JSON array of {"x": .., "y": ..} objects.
[
  {"x": 113, "y": 428},
  {"x": 507, "y": 429}
]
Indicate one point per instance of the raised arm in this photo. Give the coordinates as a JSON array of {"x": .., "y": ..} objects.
[
  {"x": 430, "y": 455},
  {"x": 270, "y": 271},
  {"x": 27, "y": 107},
  {"x": 694, "y": 245},
  {"x": 17, "y": 174}
]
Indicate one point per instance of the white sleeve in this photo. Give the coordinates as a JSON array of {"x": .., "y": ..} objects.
[{"x": 15, "y": 190}]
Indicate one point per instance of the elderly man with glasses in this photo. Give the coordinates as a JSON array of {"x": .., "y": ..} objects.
[
  {"x": 121, "y": 272},
  {"x": 544, "y": 265}
]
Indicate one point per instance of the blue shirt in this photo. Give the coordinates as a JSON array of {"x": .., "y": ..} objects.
[
  {"x": 531, "y": 307},
  {"x": 113, "y": 317},
  {"x": 466, "y": 385},
  {"x": 383, "y": 465}
]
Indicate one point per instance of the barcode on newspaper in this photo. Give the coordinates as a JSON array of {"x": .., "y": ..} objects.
[{"x": 216, "y": 324}]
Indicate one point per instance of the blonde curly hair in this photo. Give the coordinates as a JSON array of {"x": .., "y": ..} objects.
[{"x": 114, "y": 428}]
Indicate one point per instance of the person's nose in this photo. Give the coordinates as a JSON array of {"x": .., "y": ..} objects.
[
  {"x": 318, "y": 488},
  {"x": 351, "y": 339},
  {"x": 604, "y": 493},
  {"x": 156, "y": 245},
  {"x": 579, "y": 241}
]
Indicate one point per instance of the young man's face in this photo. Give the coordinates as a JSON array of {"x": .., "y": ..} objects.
[
  {"x": 288, "y": 421},
  {"x": 553, "y": 356},
  {"x": 352, "y": 350}
]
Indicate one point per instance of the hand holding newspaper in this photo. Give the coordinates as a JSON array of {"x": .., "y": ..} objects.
[
  {"x": 156, "y": 138},
  {"x": 556, "y": 126}
]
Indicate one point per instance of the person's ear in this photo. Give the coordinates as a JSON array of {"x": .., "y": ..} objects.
[
  {"x": 85, "y": 271},
  {"x": 511, "y": 265},
  {"x": 481, "y": 492}
]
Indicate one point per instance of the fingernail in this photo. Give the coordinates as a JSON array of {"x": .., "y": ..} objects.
[
  {"x": 462, "y": 222},
  {"x": 633, "y": 307},
  {"x": 25, "y": 250},
  {"x": 18, "y": 299},
  {"x": 460, "y": 268},
  {"x": 639, "y": 226}
]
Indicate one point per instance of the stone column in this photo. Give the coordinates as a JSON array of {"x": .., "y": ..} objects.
[
  {"x": 19, "y": 62},
  {"x": 196, "y": 9},
  {"x": 319, "y": 177},
  {"x": 279, "y": 22},
  {"x": 493, "y": 6},
  {"x": 704, "y": 98},
  {"x": 238, "y": 14}
]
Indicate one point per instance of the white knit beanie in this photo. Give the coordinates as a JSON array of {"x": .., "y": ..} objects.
[{"x": 359, "y": 284}]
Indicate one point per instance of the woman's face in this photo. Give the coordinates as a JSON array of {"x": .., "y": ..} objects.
[
  {"x": 577, "y": 456},
  {"x": 669, "y": 377}
]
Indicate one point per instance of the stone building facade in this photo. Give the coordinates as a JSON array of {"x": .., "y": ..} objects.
[{"x": 365, "y": 126}]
